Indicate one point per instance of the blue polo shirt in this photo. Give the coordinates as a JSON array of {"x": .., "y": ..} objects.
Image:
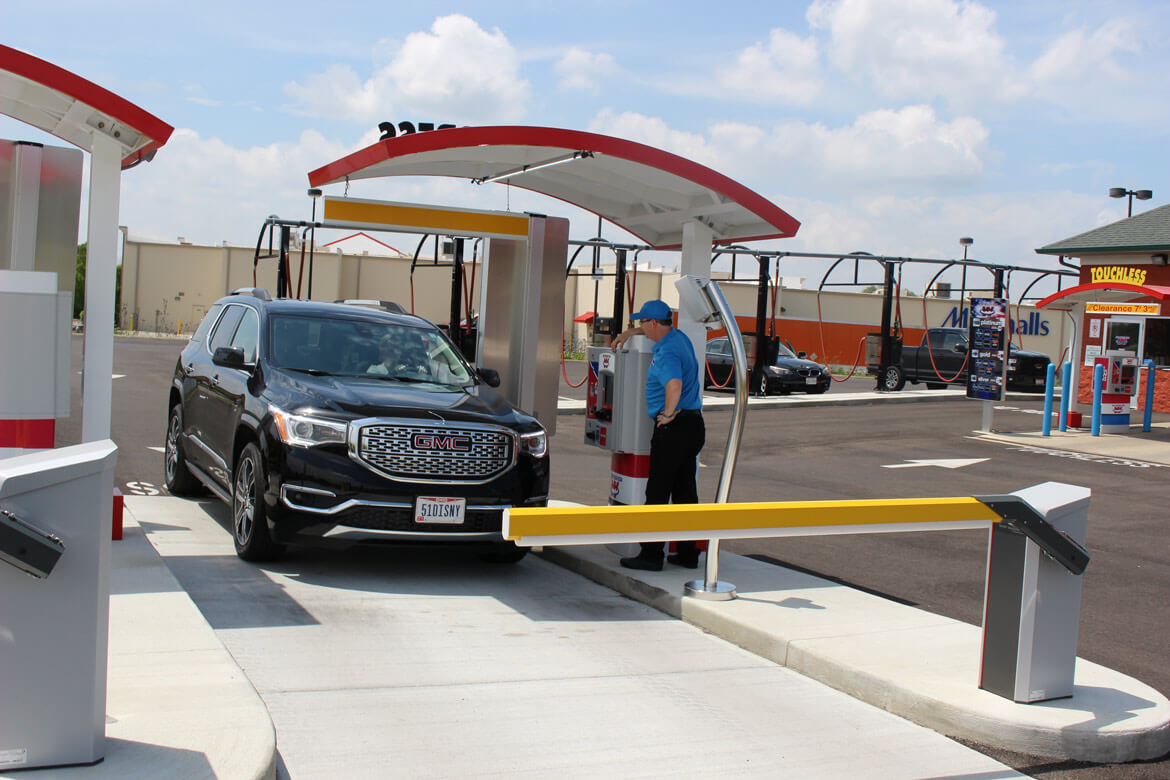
[{"x": 673, "y": 358}]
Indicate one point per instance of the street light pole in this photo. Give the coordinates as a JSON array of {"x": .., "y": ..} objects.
[{"x": 1121, "y": 192}]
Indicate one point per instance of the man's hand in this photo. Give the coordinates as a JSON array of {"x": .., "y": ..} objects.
[{"x": 625, "y": 336}]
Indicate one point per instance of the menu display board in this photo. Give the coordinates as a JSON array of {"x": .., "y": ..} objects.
[{"x": 987, "y": 345}]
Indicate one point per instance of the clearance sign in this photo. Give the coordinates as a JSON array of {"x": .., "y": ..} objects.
[
  {"x": 1140, "y": 309},
  {"x": 1125, "y": 274}
]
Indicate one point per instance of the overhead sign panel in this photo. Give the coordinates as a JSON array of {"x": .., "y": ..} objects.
[{"x": 412, "y": 218}]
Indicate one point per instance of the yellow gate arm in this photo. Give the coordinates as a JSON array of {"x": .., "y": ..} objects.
[{"x": 563, "y": 525}]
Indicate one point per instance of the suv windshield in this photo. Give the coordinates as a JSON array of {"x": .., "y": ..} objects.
[{"x": 345, "y": 347}]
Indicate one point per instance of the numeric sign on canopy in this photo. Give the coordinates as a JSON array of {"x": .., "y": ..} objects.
[{"x": 390, "y": 130}]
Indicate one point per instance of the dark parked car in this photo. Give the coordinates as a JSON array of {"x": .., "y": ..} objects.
[
  {"x": 325, "y": 420},
  {"x": 941, "y": 359},
  {"x": 788, "y": 372}
]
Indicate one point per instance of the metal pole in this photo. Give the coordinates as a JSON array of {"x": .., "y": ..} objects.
[
  {"x": 757, "y": 375},
  {"x": 1049, "y": 388},
  {"x": 1148, "y": 419},
  {"x": 710, "y": 588},
  {"x": 1098, "y": 380},
  {"x": 887, "y": 342},
  {"x": 454, "y": 329},
  {"x": 1065, "y": 393},
  {"x": 619, "y": 292}
]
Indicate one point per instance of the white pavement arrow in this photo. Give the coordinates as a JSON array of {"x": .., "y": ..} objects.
[{"x": 955, "y": 463}]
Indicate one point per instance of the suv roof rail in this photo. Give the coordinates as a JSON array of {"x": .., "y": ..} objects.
[
  {"x": 390, "y": 306},
  {"x": 255, "y": 292}
]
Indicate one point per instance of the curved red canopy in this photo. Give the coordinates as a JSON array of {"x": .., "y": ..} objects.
[
  {"x": 647, "y": 191},
  {"x": 1104, "y": 291},
  {"x": 66, "y": 105}
]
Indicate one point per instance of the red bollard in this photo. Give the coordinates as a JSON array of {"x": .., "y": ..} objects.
[{"x": 119, "y": 503}]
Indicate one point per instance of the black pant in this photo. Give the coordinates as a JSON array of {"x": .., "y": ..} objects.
[{"x": 674, "y": 458}]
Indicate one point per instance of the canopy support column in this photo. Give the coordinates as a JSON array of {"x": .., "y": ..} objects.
[
  {"x": 696, "y": 261},
  {"x": 105, "y": 170}
]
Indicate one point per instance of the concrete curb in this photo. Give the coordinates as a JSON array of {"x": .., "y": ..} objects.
[
  {"x": 920, "y": 666},
  {"x": 177, "y": 703}
]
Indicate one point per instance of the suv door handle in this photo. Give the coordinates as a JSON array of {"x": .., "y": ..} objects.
[{"x": 214, "y": 381}]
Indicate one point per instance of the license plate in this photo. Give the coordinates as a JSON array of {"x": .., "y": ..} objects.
[
  {"x": 810, "y": 380},
  {"x": 434, "y": 509}
]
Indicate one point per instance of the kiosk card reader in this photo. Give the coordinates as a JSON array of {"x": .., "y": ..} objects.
[
  {"x": 616, "y": 418},
  {"x": 33, "y": 551},
  {"x": 55, "y": 516},
  {"x": 1121, "y": 369}
]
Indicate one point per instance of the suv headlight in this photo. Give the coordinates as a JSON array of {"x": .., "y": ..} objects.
[
  {"x": 300, "y": 430},
  {"x": 534, "y": 444}
]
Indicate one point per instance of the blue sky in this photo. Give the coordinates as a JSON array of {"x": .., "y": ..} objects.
[{"x": 889, "y": 126}]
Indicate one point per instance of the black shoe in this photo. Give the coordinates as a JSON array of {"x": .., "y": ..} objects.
[
  {"x": 645, "y": 564},
  {"x": 685, "y": 561}
]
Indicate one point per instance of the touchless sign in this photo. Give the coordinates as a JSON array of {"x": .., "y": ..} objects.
[{"x": 988, "y": 355}]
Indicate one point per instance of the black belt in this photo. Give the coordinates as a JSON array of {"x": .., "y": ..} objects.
[{"x": 688, "y": 413}]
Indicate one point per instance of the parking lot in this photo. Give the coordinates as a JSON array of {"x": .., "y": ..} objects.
[{"x": 842, "y": 451}]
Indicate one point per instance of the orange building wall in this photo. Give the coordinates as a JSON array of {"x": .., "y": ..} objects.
[{"x": 1161, "y": 389}]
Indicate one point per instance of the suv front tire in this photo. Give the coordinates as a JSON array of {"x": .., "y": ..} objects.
[
  {"x": 249, "y": 516},
  {"x": 178, "y": 478}
]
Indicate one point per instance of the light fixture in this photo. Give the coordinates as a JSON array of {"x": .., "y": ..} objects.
[
  {"x": 1159, "y": 259},
  {"x": 534, "y": 167},
  {"x": 1121, "y": 192},
  {"x": 966, "y": 241}
]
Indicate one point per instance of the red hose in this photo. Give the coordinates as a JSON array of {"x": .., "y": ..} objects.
[
  {"x": 930, "y": 352},
  {"x": 711, "y": 376}
]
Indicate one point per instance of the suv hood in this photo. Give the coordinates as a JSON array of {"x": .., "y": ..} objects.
[{"x": 373, "y": 397}]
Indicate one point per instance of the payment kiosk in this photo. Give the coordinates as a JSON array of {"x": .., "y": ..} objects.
[
  {"x": 1118, "y": 387},
  {"x": 616, "y": 417}
]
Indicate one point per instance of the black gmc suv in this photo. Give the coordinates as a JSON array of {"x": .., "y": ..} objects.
[{"x": 341, "y": 421}]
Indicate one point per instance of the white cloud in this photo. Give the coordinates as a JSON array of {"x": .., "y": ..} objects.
[
  {"x": 911, "y": 144},
  {"x": 910, "y": 148},
  {"x": 785, "y": 69},
  {"x": 456, "y": 72},
  {"x": 917, "y": 49},
  {"x": 580, "y": 69},
  {"x": 653, "y": 131},
  {"x": 1007, "y": 228},
  {"x": 1077, "y": 57},
  {"x": 208, "y": 191}
]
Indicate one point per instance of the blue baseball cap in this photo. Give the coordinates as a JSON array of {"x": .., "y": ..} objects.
[{"x": 652, "y": 310}]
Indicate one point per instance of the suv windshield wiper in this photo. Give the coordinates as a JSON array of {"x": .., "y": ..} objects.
[{"x": 312, "y": 371}]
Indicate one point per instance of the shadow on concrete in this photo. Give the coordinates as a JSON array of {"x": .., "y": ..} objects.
[{"x": 232, "y": 593}]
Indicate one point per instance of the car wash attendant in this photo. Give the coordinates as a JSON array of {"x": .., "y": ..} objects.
[{"x": 674, "y": 358}]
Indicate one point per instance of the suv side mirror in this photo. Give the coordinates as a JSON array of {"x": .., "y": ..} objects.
[
  {"x": 961, "y": 348},
  {"x": 489, "y": 375},
  {"x": 802, "y": 355},
  {"x": 229, "y": 357}
]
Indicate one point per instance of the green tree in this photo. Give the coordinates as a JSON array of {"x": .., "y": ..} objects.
[
  {"x": 79, "y": 282},
  {"x": 79, "y": 285}
]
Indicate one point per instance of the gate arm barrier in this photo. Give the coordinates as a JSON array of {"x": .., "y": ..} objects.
[
  {"x": 1031, "y": 607},
  {"x": 570, "y": 525}
]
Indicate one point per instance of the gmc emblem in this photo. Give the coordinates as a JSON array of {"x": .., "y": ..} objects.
[{"x": 437, "y": 441}]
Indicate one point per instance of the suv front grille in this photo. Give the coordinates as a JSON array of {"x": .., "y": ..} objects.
[{"x": 408, "y": 449}]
